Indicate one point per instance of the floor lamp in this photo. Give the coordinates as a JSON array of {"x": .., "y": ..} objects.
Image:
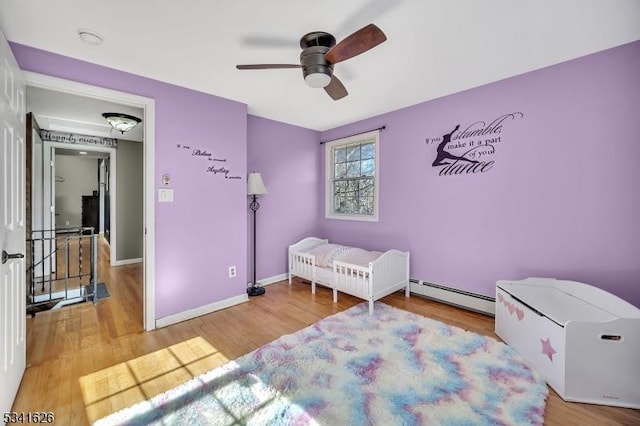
[{"x": 255, "y": 187}]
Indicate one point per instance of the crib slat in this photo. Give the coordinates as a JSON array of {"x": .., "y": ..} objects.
[{"x": 352, "y": 279}]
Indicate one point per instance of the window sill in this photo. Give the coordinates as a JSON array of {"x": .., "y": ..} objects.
[{"x": 356, "y": 218}]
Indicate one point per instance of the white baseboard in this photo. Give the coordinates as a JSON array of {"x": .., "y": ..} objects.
[
  {"x": 452, "y": 296},
  {"x": 271, "y": 280},
  {"x": 126, "y": 261},
  {"x": 202, "y": 310}
]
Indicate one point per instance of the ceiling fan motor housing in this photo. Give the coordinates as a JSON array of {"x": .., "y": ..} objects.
[
  {"x": 313, "y": 62},
  {"x": 316, "y": 70}
]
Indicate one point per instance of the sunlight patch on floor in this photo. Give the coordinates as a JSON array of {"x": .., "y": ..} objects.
[{"x": 117, "y": 387}]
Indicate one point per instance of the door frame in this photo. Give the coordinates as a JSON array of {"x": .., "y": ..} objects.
[{"x": 148, "y": 106}]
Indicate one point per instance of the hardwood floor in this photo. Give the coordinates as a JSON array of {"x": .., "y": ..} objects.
[{"x": 86, "y": 361}]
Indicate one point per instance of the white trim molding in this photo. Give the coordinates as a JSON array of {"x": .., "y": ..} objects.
[
  {"x": 127, "y": 261},
  {"x": 271, "y": 280},
  {"x": 202, "y": 310}
]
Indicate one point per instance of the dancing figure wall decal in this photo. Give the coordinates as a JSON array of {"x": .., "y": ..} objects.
[
  {"x": 473, "y": 149},
  {"x": 443, "y": 154}
]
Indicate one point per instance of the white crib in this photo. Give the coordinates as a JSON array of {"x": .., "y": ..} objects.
[{"x": 381, "y": 277}]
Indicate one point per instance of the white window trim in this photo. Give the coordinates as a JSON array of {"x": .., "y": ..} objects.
[{"x": 328, "y": 178}]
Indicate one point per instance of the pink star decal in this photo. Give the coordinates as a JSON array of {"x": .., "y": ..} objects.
[{"x": 547, "y": 349}]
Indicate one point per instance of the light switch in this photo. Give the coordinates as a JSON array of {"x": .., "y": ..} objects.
[{"x": 165, "y": 195}]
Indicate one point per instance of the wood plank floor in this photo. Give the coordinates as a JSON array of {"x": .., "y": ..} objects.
[{"x": 86, "y": 361}]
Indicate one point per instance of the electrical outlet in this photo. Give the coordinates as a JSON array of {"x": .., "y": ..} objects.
[{"x": 232, "y": 271}]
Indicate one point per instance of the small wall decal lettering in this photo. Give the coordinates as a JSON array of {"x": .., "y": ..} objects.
[
  {"x": 213, "y": 170},
  {"x": 199, "y": 153},
  {"x": 470, "y": 150}
]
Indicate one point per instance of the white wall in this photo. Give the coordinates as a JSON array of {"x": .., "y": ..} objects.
[{"x": 79, "y": 177}]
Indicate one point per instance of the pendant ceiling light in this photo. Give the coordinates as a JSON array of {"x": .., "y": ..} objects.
[{"x": 121, "y": 122}]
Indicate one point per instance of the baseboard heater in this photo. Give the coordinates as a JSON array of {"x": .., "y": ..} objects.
[{"x": 453, "y": 296}]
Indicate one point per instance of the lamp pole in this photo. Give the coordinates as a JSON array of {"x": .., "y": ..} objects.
[{"x": 254, "y": 290}]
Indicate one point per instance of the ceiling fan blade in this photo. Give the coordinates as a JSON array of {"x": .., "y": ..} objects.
[
  {"x": 357, "y": 43},
  {"x": 336, "y": 89},
  {"x": 266, "y": 66}
]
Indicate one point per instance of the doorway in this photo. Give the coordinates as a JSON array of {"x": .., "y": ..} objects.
[{"x": 147, "y": 107}]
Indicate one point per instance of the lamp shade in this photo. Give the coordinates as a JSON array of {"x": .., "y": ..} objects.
[{"x": 255, "y": 185}]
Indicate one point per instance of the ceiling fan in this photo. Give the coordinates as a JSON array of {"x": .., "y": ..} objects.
[{"x": 320, "y": 53}]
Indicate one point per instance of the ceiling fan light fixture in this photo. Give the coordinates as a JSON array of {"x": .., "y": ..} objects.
[
  {"x": 121, "y": 122},
  {"x": 317, "y": 80}
]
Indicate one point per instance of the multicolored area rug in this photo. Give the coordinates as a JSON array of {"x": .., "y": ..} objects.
[{"x": 352, "y": 368}]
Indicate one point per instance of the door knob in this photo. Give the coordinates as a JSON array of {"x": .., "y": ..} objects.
[{"x": 6, "y": 256}]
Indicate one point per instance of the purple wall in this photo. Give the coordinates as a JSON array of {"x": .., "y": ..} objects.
[
  {"x": 560, "y": 199},
  {"x": 288, "y": 159},
  {"x": 558, "y": 196},
  {"x": 204, "y": 230}
]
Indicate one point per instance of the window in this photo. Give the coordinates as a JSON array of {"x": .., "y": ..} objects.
[{"x": 351, "y": 183}]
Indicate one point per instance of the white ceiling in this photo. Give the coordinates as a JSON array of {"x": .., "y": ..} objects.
[
  {"x": 64, "y": 112},
  {"x": 434, "y": 47}
]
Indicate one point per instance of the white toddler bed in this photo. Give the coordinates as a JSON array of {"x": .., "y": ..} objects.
[{"x": 365, "y": 274}]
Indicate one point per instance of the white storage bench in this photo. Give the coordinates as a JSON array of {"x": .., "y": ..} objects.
[{"x": 583, "y": 340}]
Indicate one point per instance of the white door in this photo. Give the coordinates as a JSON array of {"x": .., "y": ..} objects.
[{"x": 12, "y": 227}]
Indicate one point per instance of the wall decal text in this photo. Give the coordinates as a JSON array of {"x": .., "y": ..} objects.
[
  {"x": 212, "y": 169},
  {"x": 73, "y": 138},
  {"x": 471, "y": 150}
]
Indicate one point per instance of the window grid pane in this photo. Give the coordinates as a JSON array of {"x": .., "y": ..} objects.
[
  {"x": 367, "y": 151},
  {"x": 353, "y": 153},
  {"x": 367, "y": 167}
]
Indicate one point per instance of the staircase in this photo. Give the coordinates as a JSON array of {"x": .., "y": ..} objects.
[{"x": 61, "y": 268}]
